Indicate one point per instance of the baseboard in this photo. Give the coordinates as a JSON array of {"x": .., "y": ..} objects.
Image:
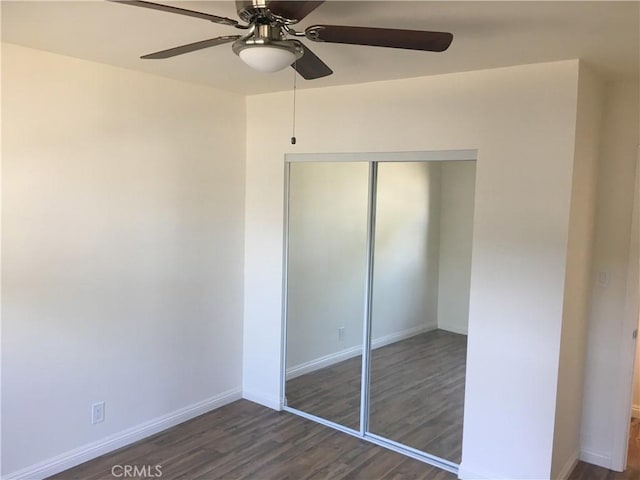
[
  {"x": 635, "y": 411},
  {"x": 595, "y": 458},
  {"x": 126, "y": 437},
  {"x": 398, "y": 336},
  {"x": 568, "y": 466},
  {"x": 264, "y": 400},
  {"x": 347, "y": 353},
  {"x": 322, "y": 362},
  {"x": 459, "y": 331}
]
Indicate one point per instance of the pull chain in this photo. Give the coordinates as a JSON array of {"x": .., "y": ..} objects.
[{"x": 293, "y": 131}]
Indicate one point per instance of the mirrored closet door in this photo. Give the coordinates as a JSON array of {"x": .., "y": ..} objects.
[
  {"x": 379, "y": 255},
  {"x": 326, "y": 281},
  {"x": 421, "y": 275}
]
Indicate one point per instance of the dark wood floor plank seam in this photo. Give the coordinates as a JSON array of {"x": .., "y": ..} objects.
[{"x": 413, "y": 381}]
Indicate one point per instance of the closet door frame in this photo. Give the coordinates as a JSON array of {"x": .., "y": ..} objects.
[{"x": 372, "y": 159}]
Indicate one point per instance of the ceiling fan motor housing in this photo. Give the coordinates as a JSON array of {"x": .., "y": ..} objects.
[
  {"x": 249, "y": 10},
  {"x": 267, "y": 35}
]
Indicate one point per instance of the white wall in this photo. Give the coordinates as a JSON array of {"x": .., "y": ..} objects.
[
  {"x": 522, "y": 121},
  {"x": 456, "y": 238},
  {"x": 166, "y": 134},
  {"x": 122, "y": 249},
  {"x": 327, "y": 259},
  {"x": 566, "y": 445},
  {"x": 328, "y": 212},
  {"x": 603, "y": 377},
  {"x": 405, "y": 277}
]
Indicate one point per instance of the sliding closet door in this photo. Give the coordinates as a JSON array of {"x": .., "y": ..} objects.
[
  {"x": 420, "y": 298},
  {"x": 326, "y": 280}
]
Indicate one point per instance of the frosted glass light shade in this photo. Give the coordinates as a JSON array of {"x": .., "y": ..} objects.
[{"x": 266, "y": 58}]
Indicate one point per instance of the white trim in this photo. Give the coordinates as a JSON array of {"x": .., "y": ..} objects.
[
  {"x": 595, "y": 458},
  {"x": 569, "y": 466},
  {"x": 430, "y": 156},
  {"x": 75, "y": 457},
  {"x": 635, "y": 411},
  {"x": 322, "y": 362},
  {"x": 347, "y": 353},
  {"x": 459, "y": 331},
  {"x": 268, "y": 401},
  {"x": 623, "y": 393},
  {"x": 285, "y": 290},
  {"x": 403, "y": 335}
]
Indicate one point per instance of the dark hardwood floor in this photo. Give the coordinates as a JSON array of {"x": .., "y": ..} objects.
[
  {"x": 417, "y": 392},
  {"x": 585, "y": 471},
  {"x": 247, "y": 441}
]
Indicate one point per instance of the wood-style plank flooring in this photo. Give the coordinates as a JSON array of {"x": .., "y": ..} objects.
[
  {"x": 585, "y": 471},
  {"x": 247, "y": 441},
  {"x": 417, "y": 392}
]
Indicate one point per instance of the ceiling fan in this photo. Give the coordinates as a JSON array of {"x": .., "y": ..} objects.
[{"x": 269, "y": 43}]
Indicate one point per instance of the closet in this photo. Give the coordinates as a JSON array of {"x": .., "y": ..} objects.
[{"x": 377, "y": 272}]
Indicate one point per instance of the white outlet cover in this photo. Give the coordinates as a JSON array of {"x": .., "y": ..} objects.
[{"x": 97, "y": 413}]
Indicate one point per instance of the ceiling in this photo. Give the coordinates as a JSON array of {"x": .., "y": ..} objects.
[{"x": 486, "y": 35}]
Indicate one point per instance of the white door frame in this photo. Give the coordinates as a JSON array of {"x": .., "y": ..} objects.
[{"x": 622, "y": 407}]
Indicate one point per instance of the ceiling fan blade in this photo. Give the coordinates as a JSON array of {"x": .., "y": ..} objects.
[
  {"x": 180, "y": 11},
  {"x": 310, "y": 67},
  {"x": 293, "y": 9},
  {"x": 381, "y": 37},
  {"x": 191, "y": 47}
]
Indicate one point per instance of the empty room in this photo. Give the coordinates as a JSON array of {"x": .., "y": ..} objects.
[{"x": 319, "y": 239}]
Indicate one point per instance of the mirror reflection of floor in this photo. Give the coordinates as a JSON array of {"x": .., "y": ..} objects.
[
  {"x": 332, "y": 393},
  {"x": 417, "y": 392}
]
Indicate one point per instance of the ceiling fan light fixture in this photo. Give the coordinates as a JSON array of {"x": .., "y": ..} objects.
[
  {"x": 267, "y": 58},
  {"x": 266, "y": 54}
]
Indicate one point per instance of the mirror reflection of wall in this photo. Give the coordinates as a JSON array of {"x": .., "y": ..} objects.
[
  {"x": 422, "y": 268},
  {"x": 327, "y": 265},
  {"x": 419, "y": 298}
]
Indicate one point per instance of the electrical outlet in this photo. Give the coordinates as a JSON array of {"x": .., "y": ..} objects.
[
  {"x": 602, "y": 279},
  {"x": 97, "y": 412},
  {"x": 340, "y": 334}
]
